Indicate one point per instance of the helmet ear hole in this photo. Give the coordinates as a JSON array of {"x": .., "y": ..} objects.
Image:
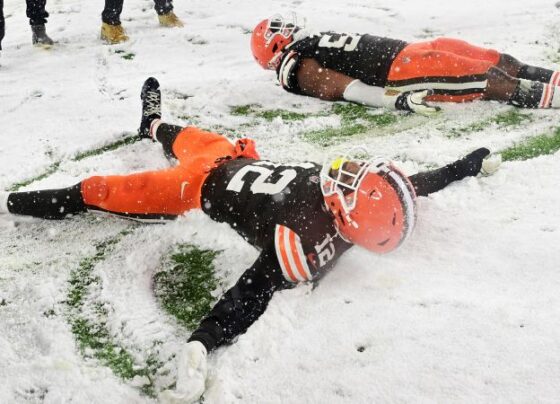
[{"x": 275, "y": 48}]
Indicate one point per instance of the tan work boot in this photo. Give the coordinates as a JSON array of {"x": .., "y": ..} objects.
[
  {"x": 113, "y": 33},
  {"x": 170, "y": 20}
]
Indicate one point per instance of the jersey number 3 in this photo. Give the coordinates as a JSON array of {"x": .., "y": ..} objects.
[{"x": 259, "y": 185}]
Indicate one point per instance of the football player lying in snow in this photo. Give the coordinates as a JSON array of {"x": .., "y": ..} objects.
[
  {"x": 385, "y": 72},
  {"x": 301, "y": 216}
]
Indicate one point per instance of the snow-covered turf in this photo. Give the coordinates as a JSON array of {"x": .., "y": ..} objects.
[{"x": 467, "y": 311}]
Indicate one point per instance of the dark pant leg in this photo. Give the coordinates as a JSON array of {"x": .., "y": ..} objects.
[
  {"x": 48, "y": 203},
  {"x": 166, "y": 135},
  {"x": 112, "y": 12},
  {"x": 2, "y": 29},
  {"x": 36, "y": 12},
  {"x": 163, "y": 6}
]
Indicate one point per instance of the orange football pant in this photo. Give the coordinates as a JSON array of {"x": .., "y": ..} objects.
[
  {"x": 172, "y": 191},
  {"x": 443, "y": 64}
]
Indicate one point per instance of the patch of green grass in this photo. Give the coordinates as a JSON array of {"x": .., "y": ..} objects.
[
  {"x": 256, "y": 110},
  {"x": 127, "y": 140},
  {"x": 92, "y": 333},
  {"x": 244, "y": 110},
  {"x": 351, "y": 113},
  {"x": 185, "y": 284},
  {"x": 124, "y": 54},
  {"x": 509, "y": 119},
  {"x": 329, "y": 135},
  {"x": 49, "y": 171},
  {"x": 354, "y": 120},
  {"x": 534, "y": 147},
  {"x": 513, "y": 117}
]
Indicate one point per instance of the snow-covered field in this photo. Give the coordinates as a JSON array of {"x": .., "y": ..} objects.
[{"x": 467, "y": 311}]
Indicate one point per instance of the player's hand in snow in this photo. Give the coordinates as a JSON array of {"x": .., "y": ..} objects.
[
  {"x": 414, "y": 101},
  {"x": 490, "y": 164},
  {"x": 191, "y": 375},
  {"x": 480, "y": 161}
]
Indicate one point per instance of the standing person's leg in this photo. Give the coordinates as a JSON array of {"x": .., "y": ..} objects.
[
  {"x": 111, "y": 28},
  {"x": 112, "y": 12},
  {"x": 2, "y": 26},
  {"x": 166, "y": 16},
  {"x": 37, "y": 14}
]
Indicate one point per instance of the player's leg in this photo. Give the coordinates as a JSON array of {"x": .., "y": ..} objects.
[
  {"x": 521, "y": 70},
  {"x": 457, "y": 79},
  {"x": 157, "y": 195},
  {"x": 46, "y": 204},
  {"x": 432, "y": 181},
  {"x": 186, "y": 144},
  {"x": 501, "y": 86},
  {"x": 153, "y": 195},
  {"x": 454, "y": 78}
]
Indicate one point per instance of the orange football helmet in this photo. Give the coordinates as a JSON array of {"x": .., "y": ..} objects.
[
  {"x": 373, "y": 203},
  {"x": 269, "y": 39}
]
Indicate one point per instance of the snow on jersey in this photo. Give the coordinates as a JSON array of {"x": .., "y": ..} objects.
[
  {"x": 364, "y": 57},
  {"x": 278, "y": 205}
]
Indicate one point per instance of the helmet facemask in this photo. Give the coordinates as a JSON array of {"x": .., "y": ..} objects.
[
  {"x": 342, "y": 175},
  {"x": 284, "y": 26},
  {"x": 372, "y": 202}
]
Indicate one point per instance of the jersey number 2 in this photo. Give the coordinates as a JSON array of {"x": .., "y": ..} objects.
[{"x": 259, "y": 186}]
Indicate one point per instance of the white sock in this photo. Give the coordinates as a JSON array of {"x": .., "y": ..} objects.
[
  {"x": 373, "y": 96},
  {"x": 154, "y": 127}
]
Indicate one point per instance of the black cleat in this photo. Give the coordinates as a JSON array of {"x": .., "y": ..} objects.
[
  {"x": 40, "y": 37},
  {"x": 151, "y": 106}
]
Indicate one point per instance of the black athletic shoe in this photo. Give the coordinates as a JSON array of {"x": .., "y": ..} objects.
[
  {"x": 40, "y": 37},
  {"x": 151, "y": 106},
  {"x": 472, "y": 162}
]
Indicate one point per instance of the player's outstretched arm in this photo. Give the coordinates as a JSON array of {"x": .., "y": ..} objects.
[
  {"x": 472, "y": 164},
  {"x": 327, "y": 84},
  {"x": 234, "y": 313}
]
